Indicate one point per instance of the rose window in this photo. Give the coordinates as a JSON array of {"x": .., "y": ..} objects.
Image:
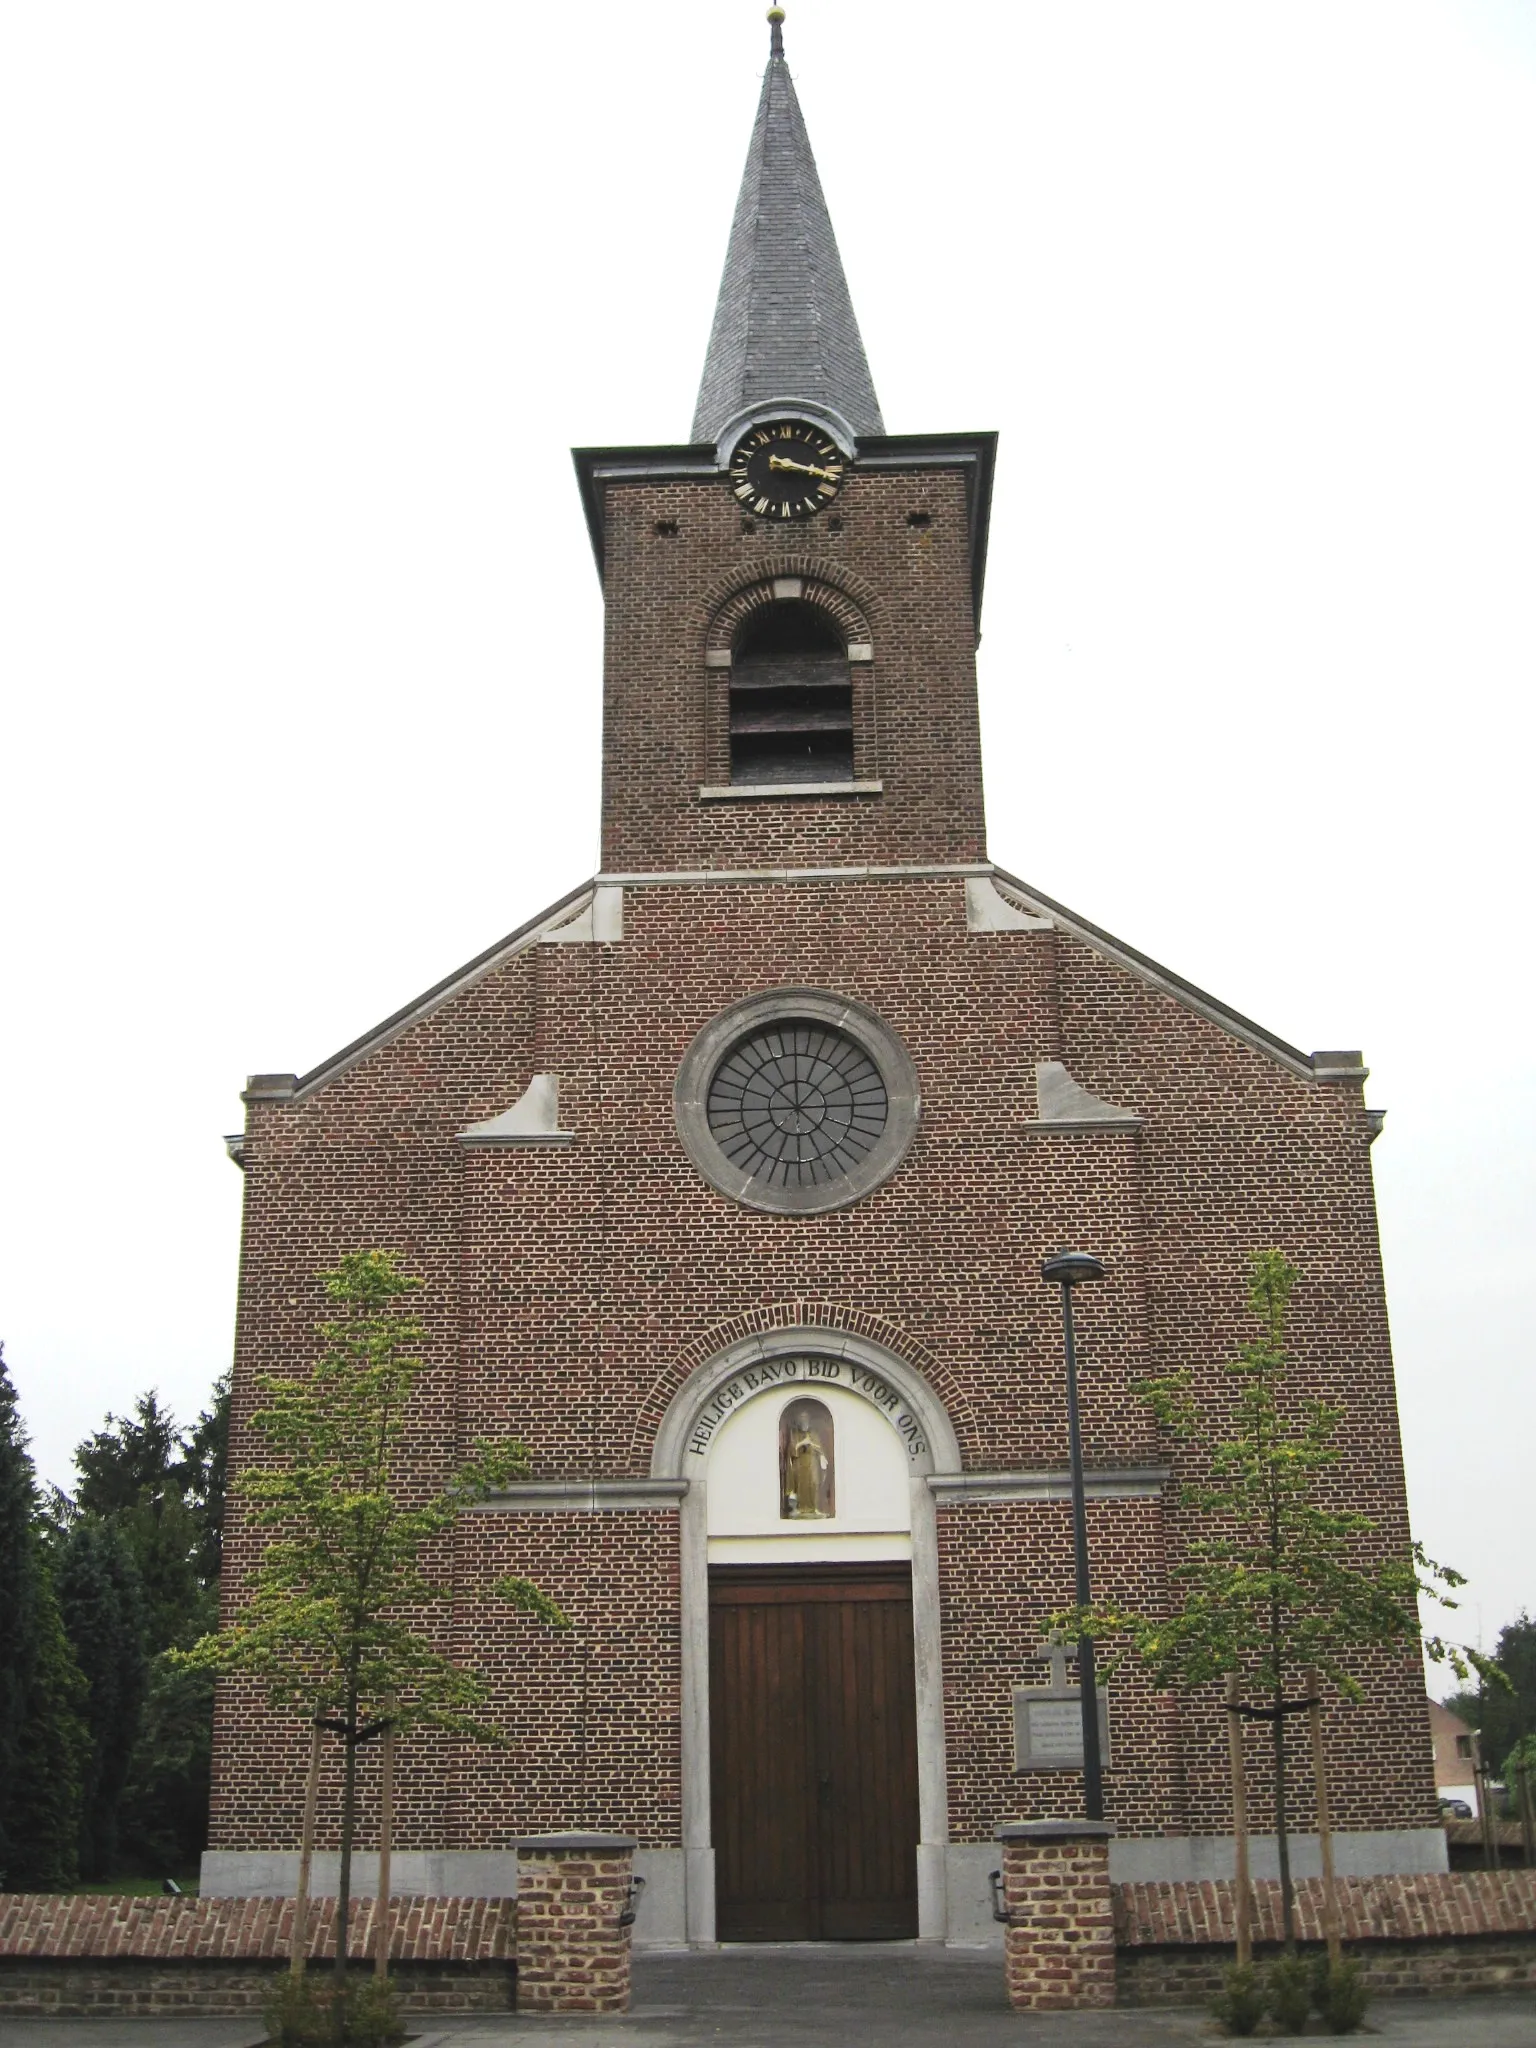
[{"x": 798, "y": 1105}]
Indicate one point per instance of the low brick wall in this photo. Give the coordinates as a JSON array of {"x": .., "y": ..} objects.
[
  {"x": 69, "y": 1955},
  {"x": 1439, "y": 1931}
]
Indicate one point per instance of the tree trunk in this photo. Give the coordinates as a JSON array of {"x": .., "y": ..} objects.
[
  {"x": 1282, "y": 1842},
  {"x": 300, "y": 1951},
  {"x": 1324, "y": 1821},
  {"x": 1242, "y": 1894},
  {"x": 386, "y": 1825},
  {"x": 348, "y": 1821}
]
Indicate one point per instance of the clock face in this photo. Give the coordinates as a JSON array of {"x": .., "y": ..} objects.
[{"x": 786, "y": 470}]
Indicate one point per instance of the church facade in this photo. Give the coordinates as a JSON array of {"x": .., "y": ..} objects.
[{"x": 730, "y": 1177}]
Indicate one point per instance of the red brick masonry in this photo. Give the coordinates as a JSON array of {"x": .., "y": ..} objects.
[
  {"x": 1433, "y": 1906},
  {"x": 573, "y": 1949},
  {"x": 42, "y": 1925},
  {"x": 1059, "y": 1950},
  {"x": 1442, "y": 1933}
]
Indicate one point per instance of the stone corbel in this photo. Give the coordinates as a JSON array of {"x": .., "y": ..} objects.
[
  {"x": 534, "y": 1119},
  {"x": 987, "y": 909},
  {"x": 599, "y": 922},
  {"x": 1065, "y": 1106}
]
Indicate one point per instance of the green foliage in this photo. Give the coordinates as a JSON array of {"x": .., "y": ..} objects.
[
  {"x": 97, "y": 1582},
  {"x": 1339, "y": 1993},
  {"x": 1288, "y": 1994},
  {"x": 355, "y": 1552},
  {"x": 372, "y": 2013},
  {"x": 162, "y": 1490},
  {"x": 361, "y": 2012},
  {"x": 45, "y": 1800},
  {"x": 163, "y": 1820},
  {"x": 330, "y": 1613},
  {"x": 1276, "y": 1577},
  {"x": 297, "y": 2012},
  {"x": 44, "y": 1745},
  {"x": 1275, "y": 1581},
  {"x": 1505, "y": 1714},
  {"x": 1239, "y": 2005}
]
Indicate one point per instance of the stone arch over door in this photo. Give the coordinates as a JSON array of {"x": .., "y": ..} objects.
[{"x": 751, "y": 1366}]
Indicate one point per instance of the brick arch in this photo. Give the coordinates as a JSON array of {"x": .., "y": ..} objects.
[
  {"x": 844, "y": 598},
  {"x": 804, "y": 1315}
]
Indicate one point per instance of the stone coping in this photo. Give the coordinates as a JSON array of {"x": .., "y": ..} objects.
[
  {"x": 1429, "y": 1906},
  {"x": 554, "y": 1844},
  {"x": 1055, "y": 1831}
]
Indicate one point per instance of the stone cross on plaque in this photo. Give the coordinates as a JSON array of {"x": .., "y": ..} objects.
[{"x": 1048, "y": 1719}]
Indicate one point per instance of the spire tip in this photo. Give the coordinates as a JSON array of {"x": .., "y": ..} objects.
[{"x": 776, "y": 25}]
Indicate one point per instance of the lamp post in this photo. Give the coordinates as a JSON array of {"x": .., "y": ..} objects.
[{"x": 1068, "y": 1270}]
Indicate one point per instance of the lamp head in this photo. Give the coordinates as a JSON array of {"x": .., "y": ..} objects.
[{"x": 1067, "y": 1268}]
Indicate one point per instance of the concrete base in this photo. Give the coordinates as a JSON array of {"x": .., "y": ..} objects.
[
  {"x": 440, "y": 1873},
  {"x": 1367, "y": 1852},
  {"x": 955, "y": 1895},
  {"x": 1377, "y": 1852}
]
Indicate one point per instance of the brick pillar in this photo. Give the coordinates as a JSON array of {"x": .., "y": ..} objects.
[
  {"x": 572, "y": 1951},
  {"x": 1060, "y": 1942}
]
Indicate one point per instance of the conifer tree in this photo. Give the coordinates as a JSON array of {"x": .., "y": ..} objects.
[
  {"x": 102, "y": 1603},
  {"x": 44, "y": 1744}
]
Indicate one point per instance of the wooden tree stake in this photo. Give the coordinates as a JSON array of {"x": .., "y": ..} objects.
[
  {"x": 386, "y": 1823},
  {"x": 1241, "y": 1892},
  {"x": 300, "y": 1953},
  {"x": 1324, "y": 1821}
]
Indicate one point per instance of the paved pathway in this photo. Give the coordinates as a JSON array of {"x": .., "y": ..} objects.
[{"x": 879, "y": 1995}]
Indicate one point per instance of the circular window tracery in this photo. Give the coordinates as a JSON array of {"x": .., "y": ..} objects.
[
  {"x": 797, "y": 1105},
  {"x": 796, "y": 1101}
]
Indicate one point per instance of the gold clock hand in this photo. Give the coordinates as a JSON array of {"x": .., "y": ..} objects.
[{"x": 802, "y": 468}]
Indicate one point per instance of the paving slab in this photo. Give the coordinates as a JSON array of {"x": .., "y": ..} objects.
[{"x": 846, "y": 1995}]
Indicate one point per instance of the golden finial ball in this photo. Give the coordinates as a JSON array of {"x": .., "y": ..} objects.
[{"x": 775, "y": 15}]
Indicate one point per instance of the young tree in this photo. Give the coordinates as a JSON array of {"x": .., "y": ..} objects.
[
  {"x": 43, "y": 1740},
  {"x": 1273, "y": 1580},
  {"x": 328, "y": 1625}
]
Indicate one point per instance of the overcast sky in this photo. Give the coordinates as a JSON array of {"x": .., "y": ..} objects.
[{"x": 300, "y": 635}]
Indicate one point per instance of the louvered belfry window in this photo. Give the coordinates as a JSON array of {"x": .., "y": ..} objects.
[{"x": 791, "y": 698}]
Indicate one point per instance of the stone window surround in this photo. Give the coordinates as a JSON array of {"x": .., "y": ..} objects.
[{"x": 690, "y": 1098}]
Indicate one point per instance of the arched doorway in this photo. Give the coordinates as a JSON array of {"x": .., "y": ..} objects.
[{"x": 828, "y": 1606}]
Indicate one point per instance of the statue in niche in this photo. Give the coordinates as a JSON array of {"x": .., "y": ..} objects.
[{"x": 807, "y": 1468}]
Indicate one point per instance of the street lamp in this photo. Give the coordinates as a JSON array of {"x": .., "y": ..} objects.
[{"x": 1068, "y": 1270}]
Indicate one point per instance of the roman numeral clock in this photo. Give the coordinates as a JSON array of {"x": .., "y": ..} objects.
[{"x": 788, "y": 470}]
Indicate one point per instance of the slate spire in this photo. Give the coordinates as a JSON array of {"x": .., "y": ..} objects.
[{"x": 784, "y": 324}]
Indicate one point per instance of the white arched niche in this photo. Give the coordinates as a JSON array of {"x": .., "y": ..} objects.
[
  {"x": 871, "y": 1498},
  {"x": 728, "y": 1411}
]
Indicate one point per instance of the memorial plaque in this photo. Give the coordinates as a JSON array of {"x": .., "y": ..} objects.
[{"x": 1048, "y": 1722}]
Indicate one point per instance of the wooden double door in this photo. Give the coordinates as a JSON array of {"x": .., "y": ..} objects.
[{"x": 813, "y": 1752}]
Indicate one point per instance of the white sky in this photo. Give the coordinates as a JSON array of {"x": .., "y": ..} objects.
[{"x": 305, "y": 305}]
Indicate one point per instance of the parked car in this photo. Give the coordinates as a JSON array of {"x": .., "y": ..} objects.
[{"x": 1455, "y": 1809}]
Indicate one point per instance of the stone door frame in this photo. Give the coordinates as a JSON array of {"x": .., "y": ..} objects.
[{"x": 675, "y": 1457}]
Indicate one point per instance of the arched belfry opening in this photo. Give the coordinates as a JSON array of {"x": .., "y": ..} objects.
[{"x": 791, "y": 697}]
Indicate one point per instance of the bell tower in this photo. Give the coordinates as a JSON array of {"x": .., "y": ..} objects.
[{"x": 792, "y": 598}]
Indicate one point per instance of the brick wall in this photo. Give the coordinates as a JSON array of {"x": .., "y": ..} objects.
[
  {"x": 1435, "y": 1933},
  {"x": 63, "y": 1955},
  {"x": 69, "y": 1926},
  {"x": 571, "y": 1290},
  {"x": 916, "y": 726}
]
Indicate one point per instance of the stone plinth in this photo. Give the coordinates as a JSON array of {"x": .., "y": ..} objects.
[
  {"x": 1060, "y": 1942},
  {"x": 573, "y": 1945}
]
